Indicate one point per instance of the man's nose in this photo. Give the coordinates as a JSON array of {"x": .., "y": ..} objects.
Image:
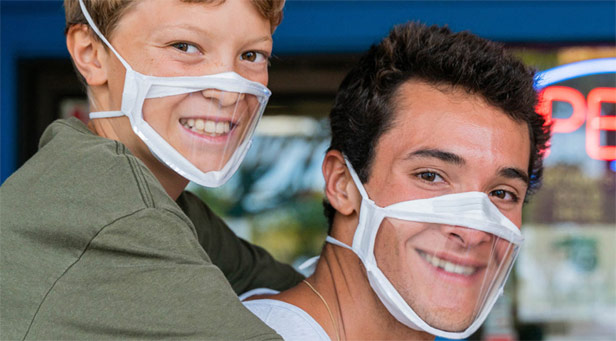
[
  {"x": 465, "y": 237},
  {"x": 224, "y": 98}
]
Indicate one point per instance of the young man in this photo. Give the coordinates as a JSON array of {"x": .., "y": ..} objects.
[
  {"x": 435, "y": 147},
  {"x": 99, "y": 239}
]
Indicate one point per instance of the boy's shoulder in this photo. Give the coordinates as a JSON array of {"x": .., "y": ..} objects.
[{"x": 77, "y": 177}]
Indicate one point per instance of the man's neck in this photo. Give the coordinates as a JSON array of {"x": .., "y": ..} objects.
[{"x": 341, "y": 280}]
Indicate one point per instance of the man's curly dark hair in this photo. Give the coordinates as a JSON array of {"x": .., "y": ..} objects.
[{"x": 364, "y": 105}]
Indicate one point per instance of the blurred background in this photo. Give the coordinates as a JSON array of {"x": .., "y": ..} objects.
[{"x": 564, "y": 284}]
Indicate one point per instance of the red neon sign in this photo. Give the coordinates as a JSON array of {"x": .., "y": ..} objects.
[
  {"x": 563, "y": 94},
  {"x": 583, "y": 110},
  {"x": 595, "y": 123}
]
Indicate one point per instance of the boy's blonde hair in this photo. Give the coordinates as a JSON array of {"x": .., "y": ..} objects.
[{"x": 107, "y": 13}]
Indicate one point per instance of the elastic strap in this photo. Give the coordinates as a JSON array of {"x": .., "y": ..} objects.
[
  {"x": 105, "y": 114},
  {"x": 329, "y": 239},
  {"x": 335, "y": 241},
  {"x": 308, "y": 263},
  {"x": 355, "y": 177},
  {"x": 90, "y": 21},
  {"x": 312, "y": 261}
]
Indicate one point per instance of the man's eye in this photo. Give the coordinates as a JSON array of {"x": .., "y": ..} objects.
[
  {"x": 430, "y": 177},
  {"x": 253, "y": 56},
  {"x": 186, "y": 47},
  {"x": 504, "y": 195}
]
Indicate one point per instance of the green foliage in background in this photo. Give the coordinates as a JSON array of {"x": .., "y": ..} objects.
[
  {"x": 538, "y": 59},
  {"x": 294, "y": 230},
  {"x": 275, "y": 198}
]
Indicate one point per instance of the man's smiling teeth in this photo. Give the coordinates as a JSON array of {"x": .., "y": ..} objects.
[
  {"x": 207, "y": 127},
  {"x": 448, "y": 266}
]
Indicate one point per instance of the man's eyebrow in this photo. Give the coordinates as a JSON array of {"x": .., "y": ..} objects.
[
  {"x": 437, "y": 154},
  {"x": 514, "y": 173}
]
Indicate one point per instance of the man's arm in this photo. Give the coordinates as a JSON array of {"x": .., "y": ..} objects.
[{"x": 246, "y": 266}]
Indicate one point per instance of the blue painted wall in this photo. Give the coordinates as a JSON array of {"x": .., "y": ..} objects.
[
  {"x": 35, "y": 29},
  {"x": 349, "y": 26},
  {"x": 29, "y": 29}
]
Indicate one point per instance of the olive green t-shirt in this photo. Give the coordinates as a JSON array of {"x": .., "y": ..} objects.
[{"x": 92, "y": 247}]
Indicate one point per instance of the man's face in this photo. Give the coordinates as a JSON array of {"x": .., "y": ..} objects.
[
  {"x": 170, "y": 38},
  {"x": 444, "y": 142}
]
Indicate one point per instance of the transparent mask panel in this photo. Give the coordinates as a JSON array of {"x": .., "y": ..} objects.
[
  {"x": 206, "y": 127},
  {"x": 446, "y": 274}
]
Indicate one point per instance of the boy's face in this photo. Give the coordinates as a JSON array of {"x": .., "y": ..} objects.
[
  {"x": 170, "y": 38},
  {"x": 442, "y": 143}
]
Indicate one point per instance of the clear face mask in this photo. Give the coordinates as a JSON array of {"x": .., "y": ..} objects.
[
  {"x": 441, "y": 263},
  {"x": 201, "y": 127}
]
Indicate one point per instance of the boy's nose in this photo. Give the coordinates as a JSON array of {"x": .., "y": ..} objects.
[{"x": 224, "y": 98}]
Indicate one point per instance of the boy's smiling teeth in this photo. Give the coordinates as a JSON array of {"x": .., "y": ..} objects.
[
  {"x": 448, "y": 266},
  {"x": 206, "y": 127}
]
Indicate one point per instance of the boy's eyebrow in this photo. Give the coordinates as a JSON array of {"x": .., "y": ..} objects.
[
  {"x": 438, "y": 154},
  {"x": 514, "y": 173},
  {"x": 191, "y": 27},
  {"x": 267, "y": 38}
]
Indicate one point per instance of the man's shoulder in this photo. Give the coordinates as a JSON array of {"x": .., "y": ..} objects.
[{"x": 290, "y": 321}]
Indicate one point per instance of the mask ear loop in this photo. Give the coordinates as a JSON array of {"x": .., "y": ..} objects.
[
  {"x": 365, "y": 197},
  {"x": 104, "y": 114},
  {"x": 356, "y": 180},
  {"x": 86, "y": 14},
  {"x": 335, "y": 241}
]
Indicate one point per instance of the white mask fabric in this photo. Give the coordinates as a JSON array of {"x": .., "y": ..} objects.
[
  {"x": 458, "y": 250},
  {"x": 199, "y": 126}
]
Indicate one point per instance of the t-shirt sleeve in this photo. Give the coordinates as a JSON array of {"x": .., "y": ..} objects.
[
  {"x": 144, "y": 276},
  {"x": 245, "y": 265}
]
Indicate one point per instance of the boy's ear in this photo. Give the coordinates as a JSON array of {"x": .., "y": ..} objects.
[
  {"x": 339, "y": 186},
  {"x": 87, "y": 53}
]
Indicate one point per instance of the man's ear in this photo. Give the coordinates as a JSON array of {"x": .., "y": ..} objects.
[
  {"x": 87, "y": 53},
  {"x": 339, "y": 186}
]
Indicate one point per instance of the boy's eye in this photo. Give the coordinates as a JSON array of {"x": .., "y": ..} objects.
[
  {"x": 186, "y": 47},
  {"x": 253, "y": 56},
  {"x": 504, "y": 195},
  {"x": 429, "y": 177}
]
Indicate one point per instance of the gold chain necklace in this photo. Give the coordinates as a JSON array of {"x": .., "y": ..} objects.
[{"x": 328, "y": 310}]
